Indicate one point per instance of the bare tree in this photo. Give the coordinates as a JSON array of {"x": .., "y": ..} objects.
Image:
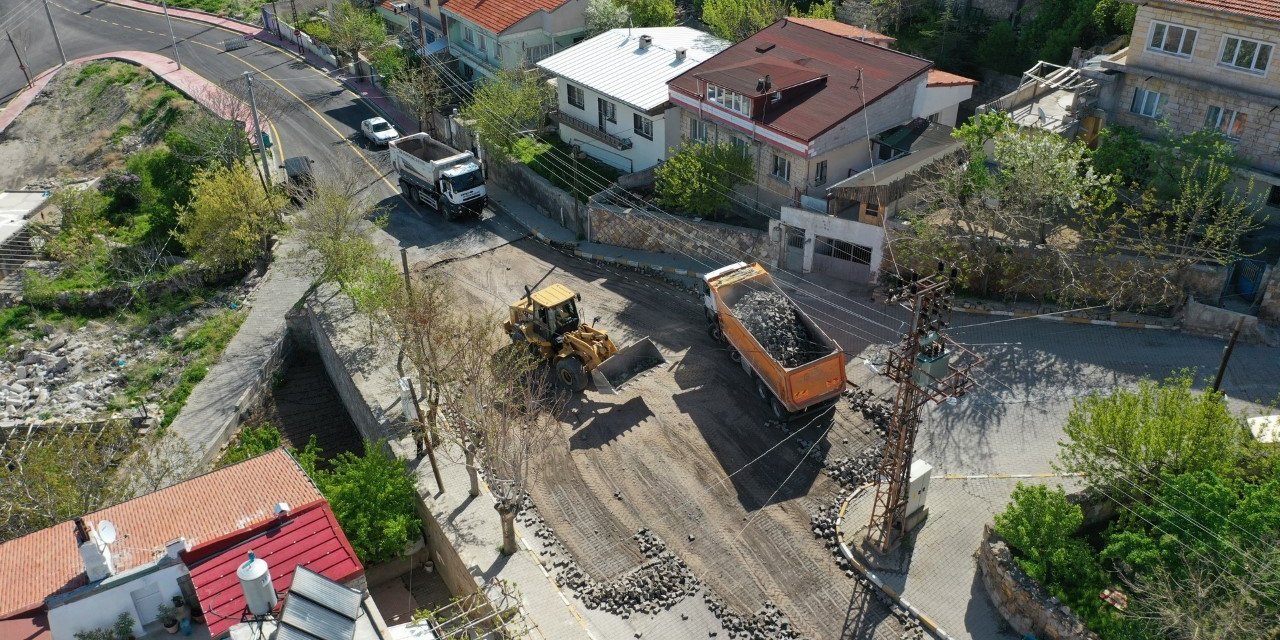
[
  {"x": 223, "y": 132},
  {"x": 1205, "y": 602},
  {"x": 335, "y": 225},
  {"x": 423, "y": 92}
]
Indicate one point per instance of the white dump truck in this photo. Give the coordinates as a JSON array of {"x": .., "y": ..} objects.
[{"x": 439, "y": 176}]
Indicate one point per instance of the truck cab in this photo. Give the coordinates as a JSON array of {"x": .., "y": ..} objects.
[{"x": 463, "y": 189}]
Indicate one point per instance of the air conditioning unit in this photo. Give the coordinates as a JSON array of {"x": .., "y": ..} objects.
[{"x": 400, "y": 7}]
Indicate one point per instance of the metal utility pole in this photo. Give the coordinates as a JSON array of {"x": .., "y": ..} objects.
[
  {"x": 21, "y": 64},
  {"x": 927, "y": 365},
  {"x": 1226, "y": 353},
  {"x": 257, "y": 129},
  {"x": 56, "y": 39},
  {"x": 177, "y": 57}
]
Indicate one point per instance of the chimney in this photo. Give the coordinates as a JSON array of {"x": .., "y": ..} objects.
[
  {"x": 645, "y": 41},
  {"x": 681, "y": 52},
  {"x": 174, "y": 548},
  {"x": 281, "y": 510},
  {"x": 768, "y": 82},
  {"x": 95, "y": 554}
]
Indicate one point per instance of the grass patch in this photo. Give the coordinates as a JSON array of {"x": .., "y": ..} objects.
[
  {"x": 553, "y": 159},
  {"x": 12, "y": 319}
]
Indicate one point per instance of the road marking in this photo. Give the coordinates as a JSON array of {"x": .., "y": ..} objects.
[{"x": 358, "y": 151}]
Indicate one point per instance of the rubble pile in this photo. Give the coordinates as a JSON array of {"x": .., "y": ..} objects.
[
  {"x": 658, "y": 584},
  {"x": 767, "y": 624},
  {"x": 873, "y": 409},
  {"x": 774, "y": 322},
  {"x": 856, "y": 471}
]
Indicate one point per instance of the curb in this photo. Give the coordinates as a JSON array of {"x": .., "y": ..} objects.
[
  {"x": 1064, "y": 319},
  {"x": 925, "y": 621},
  {"x": 636, "y": 264},
  {"x": 231, "y": 24}
]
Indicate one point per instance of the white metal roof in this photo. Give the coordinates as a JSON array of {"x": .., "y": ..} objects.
[{"x": 613, "y": 64}]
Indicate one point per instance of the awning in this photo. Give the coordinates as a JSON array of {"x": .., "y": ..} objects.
[{"x": 309, "y": 537}]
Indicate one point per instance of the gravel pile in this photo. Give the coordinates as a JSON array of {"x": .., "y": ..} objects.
[
  {"x": 774, "y": 322},
  {"x": 658, "y": 584},
  {"x": 766, "y": 624}
]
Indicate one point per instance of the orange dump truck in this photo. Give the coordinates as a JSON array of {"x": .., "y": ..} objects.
[{"x": 743, "y": 295}]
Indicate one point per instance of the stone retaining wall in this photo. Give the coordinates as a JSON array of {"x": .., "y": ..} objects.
[
  {"x": 1021, "y": 600},
  {"x": 700, "y": 239},
  {"x": 553, "y": 202},
  {"x": 370, "y": 419},
  {"x": 250, "y": 400}
]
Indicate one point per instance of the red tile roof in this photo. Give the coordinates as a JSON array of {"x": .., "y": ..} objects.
[
  {"x": 1267, "y": 9},
  {"x": 937, "y": 78},
  {"x": 209, "y": 506},
  {"x": 499, "y": 15},
  {"x": 846, "y": 30},
  {"x": 32, "y": 627},
  {"x": 308, "y": 537},
  {"x": 818, "y": 106}
]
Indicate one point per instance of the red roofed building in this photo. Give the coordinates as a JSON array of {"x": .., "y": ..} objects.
[
  {"x": 806, "y": 98},
  {"x": 133, "y": 557},
  {"x": 308, "y": 536},
  {"x": 487, "y": 35}
]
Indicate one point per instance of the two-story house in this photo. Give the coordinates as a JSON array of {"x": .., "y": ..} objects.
[
  {"x": 1204, "y": 64},
  {"x": 612, "y": 91},
  {"x": 487, "y": 35},
  {"x": 806, "y": 99}
]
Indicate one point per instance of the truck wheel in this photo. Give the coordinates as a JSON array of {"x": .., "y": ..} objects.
[
  {"x": 763, "y": 391},
  {"x": 716, "y": 332},
  {"x": 735, "y": 356},
  {"x": 440, "y": 207},
  {"x": 570, "y": 375},
  {"x": 779, "y": 412}
]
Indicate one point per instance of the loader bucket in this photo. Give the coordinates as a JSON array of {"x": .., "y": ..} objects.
[{"x": 627, "y": 363}]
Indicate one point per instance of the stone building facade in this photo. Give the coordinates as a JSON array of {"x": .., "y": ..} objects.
[{"x": 1204, "y": 64}]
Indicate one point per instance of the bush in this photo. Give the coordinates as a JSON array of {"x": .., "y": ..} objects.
[
  {"x": 375, "y": 501},
  {"x": 698, "y": 179},
  {"x": 389, "y": 61}
]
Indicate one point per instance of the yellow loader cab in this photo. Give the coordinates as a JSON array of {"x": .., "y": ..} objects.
[{"x": 548, "y": 321}]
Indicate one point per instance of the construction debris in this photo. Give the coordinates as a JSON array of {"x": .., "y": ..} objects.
[{"x": 772, "y": 319}]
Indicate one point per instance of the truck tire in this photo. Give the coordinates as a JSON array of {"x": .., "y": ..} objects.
[
  {"x": 440, "y": 207},
  {"x": 716, "y": 331},
  {"x": 779, "y": 411},
  {"x": 763, "y": 391},
  {"x": 570, "y": 375}
]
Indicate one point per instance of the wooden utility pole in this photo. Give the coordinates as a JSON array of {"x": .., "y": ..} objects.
[
  {"x": 927, "y": 365},
  {"x": 1226, "y": 353}
]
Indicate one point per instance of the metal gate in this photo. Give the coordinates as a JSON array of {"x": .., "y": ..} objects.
[
  {"x": 841, "y": 259},
  {"x": 793, "y": 249},
  {"x": 1245, "y": 283}
]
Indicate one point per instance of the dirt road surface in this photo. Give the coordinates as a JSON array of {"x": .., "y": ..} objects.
[{"x": 686, "y": 451}]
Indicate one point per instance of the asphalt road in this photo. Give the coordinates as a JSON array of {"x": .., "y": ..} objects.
[{"x": 319, "y": 117}]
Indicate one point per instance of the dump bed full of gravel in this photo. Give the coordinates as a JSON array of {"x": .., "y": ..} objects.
[{"x": 775, "y": 322}]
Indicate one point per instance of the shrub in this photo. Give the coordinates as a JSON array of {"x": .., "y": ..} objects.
[{"x": 698, "y": 179}]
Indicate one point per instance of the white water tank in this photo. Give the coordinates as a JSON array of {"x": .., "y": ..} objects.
[{"x": 255, "y": 580}]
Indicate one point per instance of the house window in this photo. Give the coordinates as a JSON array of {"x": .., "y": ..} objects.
[
  {"x": 728, "y": 99},
  {"x": 740, "y": 144},
  {"x": 608, "y": 111},
  {"x": 781, "y": 168},
  {"x": 820, "y": 173},
  {"x": 1230, "y": 123},
  {"x": 1273, "y": 197},
  {"x": 642, "y": 126},
  {"x": 576, "y": 96},
  {"x": 698, "y": 130},
  {"x": 1246, "y": 55},
  {"x": 468, "y": 35},
  {"x": 1172, "y": 39},
  {"x": 873, "y": 208},
  {"x": 482, "y": 44},
  {"x": 1148, "y": 103}
]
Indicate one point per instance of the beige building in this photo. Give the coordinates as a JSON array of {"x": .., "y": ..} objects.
[{"x": 1203, "y": 64}]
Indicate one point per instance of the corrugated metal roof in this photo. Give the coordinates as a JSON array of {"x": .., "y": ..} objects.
[
  {"x": 1267, "y": 9},
  {"x": 846, "y": 30},
  {"x": 46, "y": 562},
  {"x": 614, "y": 65},
  {"x": 855, "y": 71},
  {"x": 309, "y": 537}
]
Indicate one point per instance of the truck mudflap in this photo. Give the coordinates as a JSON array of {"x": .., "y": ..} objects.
[{"x": 627, "y": 363}]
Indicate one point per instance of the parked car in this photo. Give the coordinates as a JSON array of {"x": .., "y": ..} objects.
[
  {"x": 298, "y": 178},
  {"x": 379, "y": 131}
]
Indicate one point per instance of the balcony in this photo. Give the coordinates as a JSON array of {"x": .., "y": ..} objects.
[{"x": 621, "y": 144}]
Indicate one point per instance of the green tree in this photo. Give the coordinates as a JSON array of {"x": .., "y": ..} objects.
[
  {"x": 603, "y": 15},
  {"x": 697, "y": 179},
  {"x": 1163, "y": 427},
  {"x": 1122, "y": 152},
  {"x": 375, "y": 500},
  {"x": 1040, "y": 524},
  {"x": 335, "y": 227},
  {"x": 819, "y": 10},
  {"x": 734, "y": 20},
  {"x": 252, "y": 442},
  {"x": 506, "y": 106},
  {"x": 651, "y": 13},
  {"x": 422, "y": 91},
  {"x": 229, "y": 218},
  {"x": 998, "y": 49},
  {"x": 353, "y": 29}
]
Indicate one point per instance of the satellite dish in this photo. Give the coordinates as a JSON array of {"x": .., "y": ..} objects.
[{"x": 106, "y": 532}]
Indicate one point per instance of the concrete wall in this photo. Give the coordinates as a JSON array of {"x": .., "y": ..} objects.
[
  {"x": 99, "y": 609},
  {"x": 1216, "y": 321},
  {"x": 1021, "y": 600},
  {"x": 1269, "y": 308},
  {"x": 553, "y": 202},
  {"x": 370, "y": 418},
  {"x": 644, "y": 152},
  {"x": 821, "y": 224},
  {"x": 1205, "y": 282},
  {"x": 669, "y": 234},
  {"x": 942, "y": 101}
]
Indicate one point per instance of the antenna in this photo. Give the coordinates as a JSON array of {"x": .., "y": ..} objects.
[{"x": 107, "y": 532}]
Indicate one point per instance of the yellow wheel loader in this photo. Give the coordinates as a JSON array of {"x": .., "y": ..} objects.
[{"x": 547, "y": 321}]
